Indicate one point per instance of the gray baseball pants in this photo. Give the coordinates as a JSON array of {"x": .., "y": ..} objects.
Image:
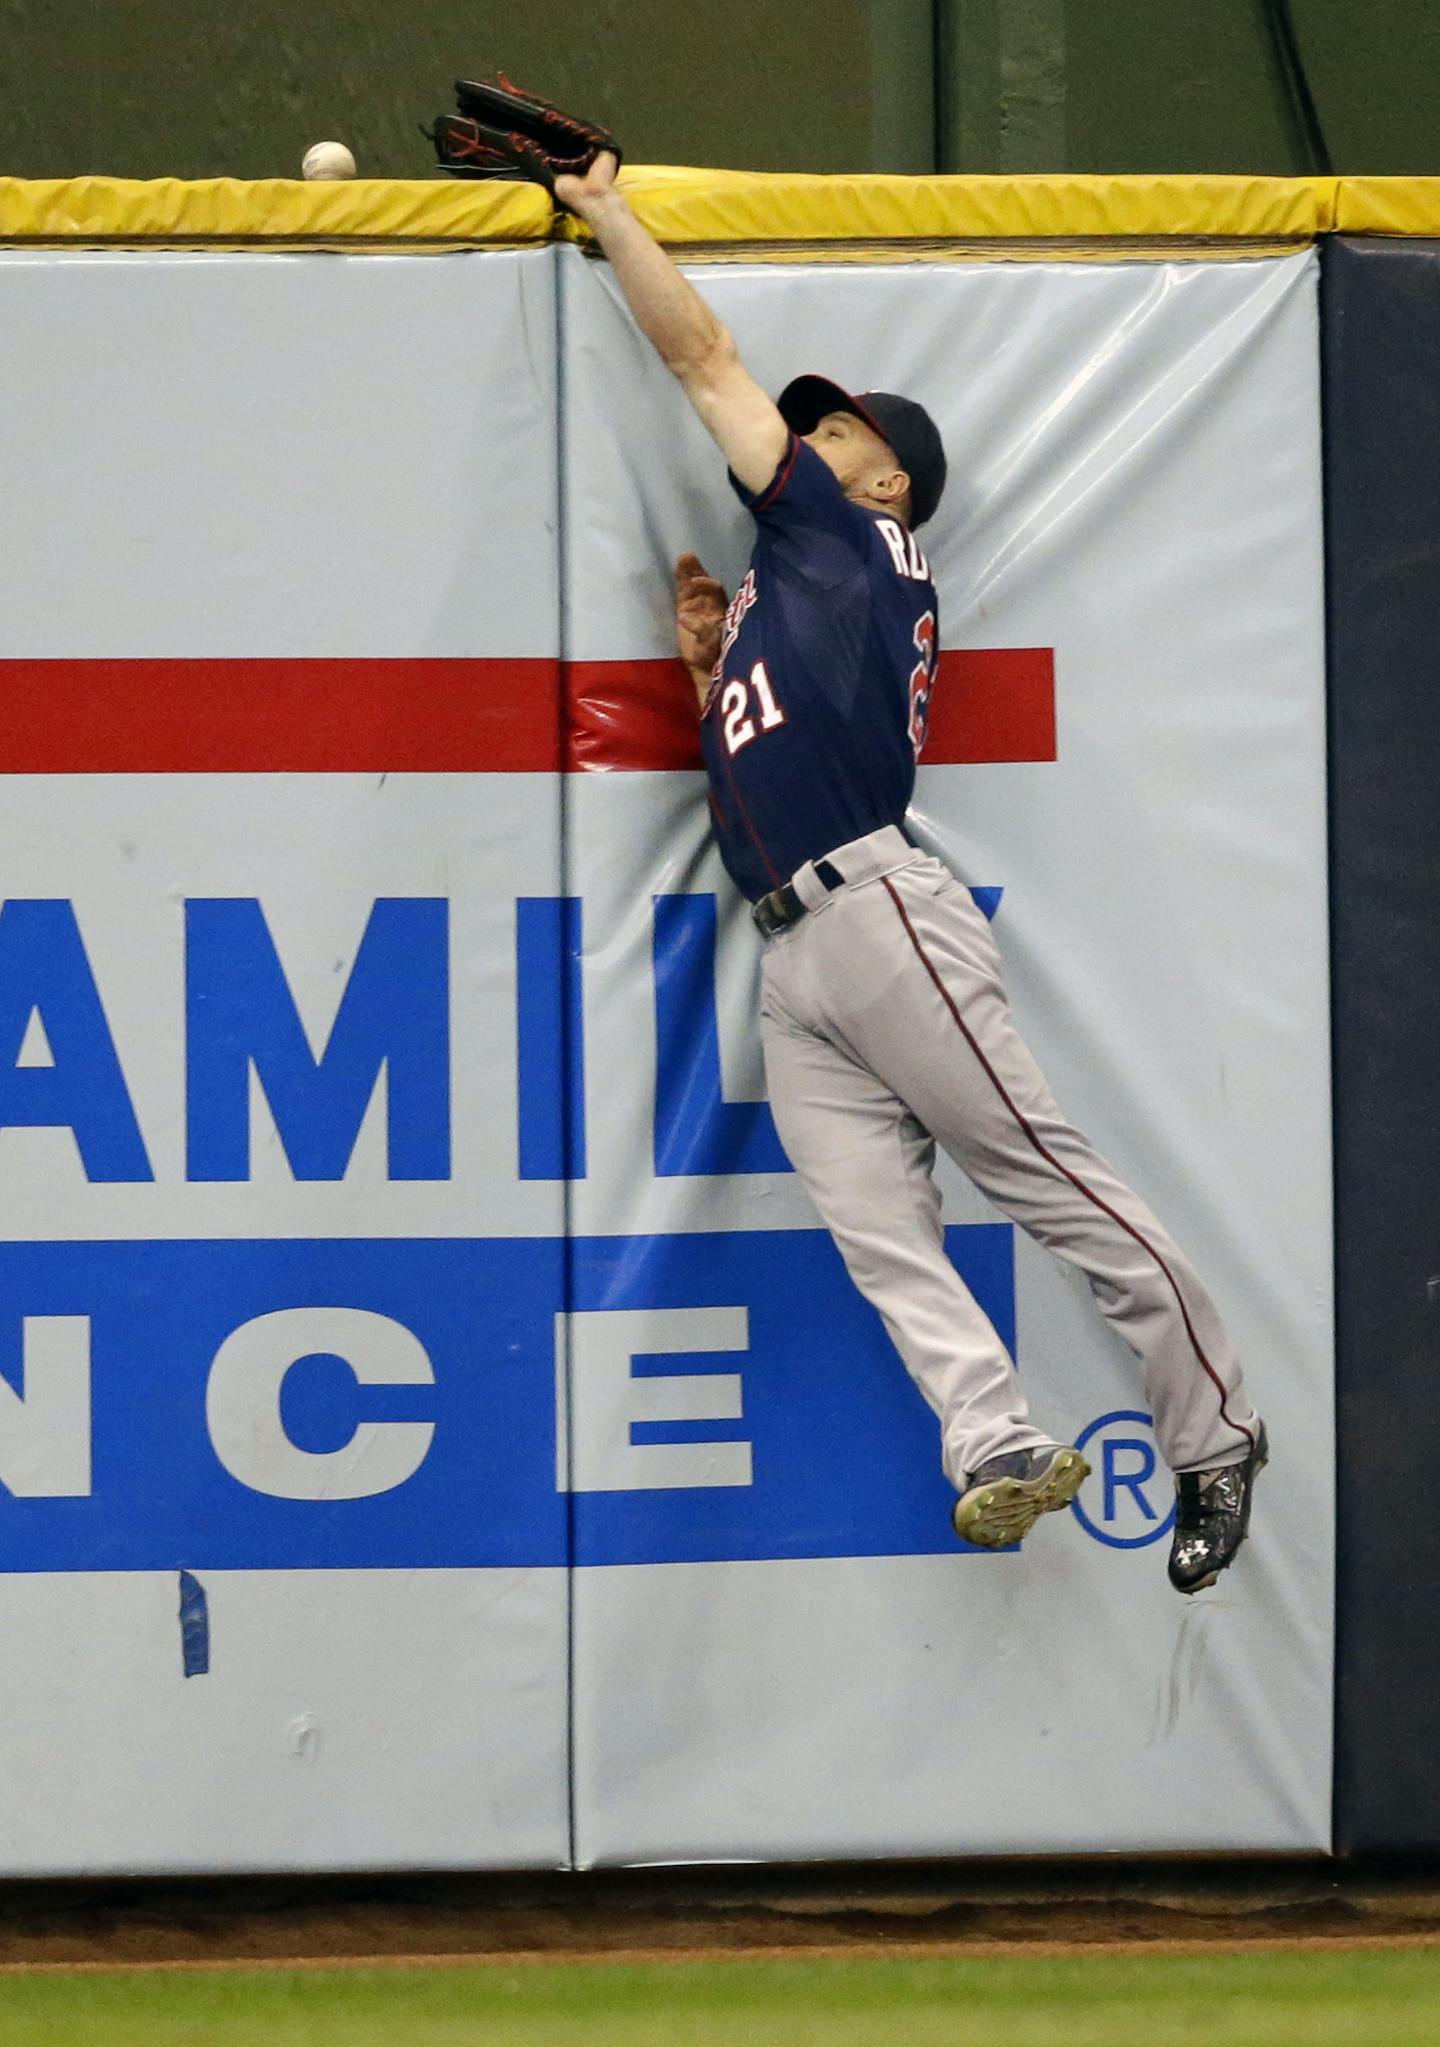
[{"x": 886, "y": 1030}]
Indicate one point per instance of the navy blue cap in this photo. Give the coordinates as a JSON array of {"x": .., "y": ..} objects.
[{"x": 900, "y": 422}]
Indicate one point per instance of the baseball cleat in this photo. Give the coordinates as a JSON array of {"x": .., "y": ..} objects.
[
  {"x": 1212, "y": 1515},
  {"x": 1007, "y": 1495}
]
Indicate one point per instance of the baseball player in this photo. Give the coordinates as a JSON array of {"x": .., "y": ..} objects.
[{"x": 884, "y": 1019}]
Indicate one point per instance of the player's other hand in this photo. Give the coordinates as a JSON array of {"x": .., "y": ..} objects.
[
  {"x": 583, "y": 195},
  {"x": 700, "y": 605}
]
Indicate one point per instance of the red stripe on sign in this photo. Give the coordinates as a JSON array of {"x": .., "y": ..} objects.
[
  {"x": 632, "y": 714},
  {"x": 477, "y": 716},
  {"x": 993, "y": 704},
  {"x": 988, "y": 704},
  {"x": 316, "y": 717}
]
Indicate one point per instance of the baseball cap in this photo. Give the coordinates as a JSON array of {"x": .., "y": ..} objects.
[{"x": 900, "y": 422}]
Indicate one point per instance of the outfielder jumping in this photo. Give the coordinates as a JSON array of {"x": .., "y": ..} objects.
[{"x": 884, "y": 1019}]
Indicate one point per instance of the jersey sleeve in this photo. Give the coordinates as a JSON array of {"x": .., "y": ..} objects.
[{"x": 823, "y": 535}]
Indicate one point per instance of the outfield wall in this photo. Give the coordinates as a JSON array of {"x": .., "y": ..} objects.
[
  {"x": 1382, "y": 451},
  {"x": 1128, "y": 440},
  {"x": 433, "y": 1429}
]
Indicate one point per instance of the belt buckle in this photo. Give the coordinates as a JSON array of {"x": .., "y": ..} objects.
[
  {"x": 783, "y": 907},
  {"x": 766, "y": 915}
]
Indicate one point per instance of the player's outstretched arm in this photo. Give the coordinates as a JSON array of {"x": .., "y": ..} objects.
[{"x": 692, "y": 342}]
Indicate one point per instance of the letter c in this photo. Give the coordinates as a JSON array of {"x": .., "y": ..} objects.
[{"x": 242, "y": 1404}]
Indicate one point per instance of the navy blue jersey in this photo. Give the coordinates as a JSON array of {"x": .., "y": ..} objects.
[{"x": 817, "y": 712}]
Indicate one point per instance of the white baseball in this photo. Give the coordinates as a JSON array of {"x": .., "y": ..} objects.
[{"x": 328, "y": 160}]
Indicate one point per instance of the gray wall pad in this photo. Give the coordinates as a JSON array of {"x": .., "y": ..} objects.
[{"x": 1381, "y": 327}]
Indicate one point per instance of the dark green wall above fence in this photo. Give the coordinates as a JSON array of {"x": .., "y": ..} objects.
[
  {"x": 165, "y": 88},
  {"x": 153, "y": 88}
]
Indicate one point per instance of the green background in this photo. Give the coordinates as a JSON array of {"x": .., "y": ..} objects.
[{"x": 156, "y": 88}]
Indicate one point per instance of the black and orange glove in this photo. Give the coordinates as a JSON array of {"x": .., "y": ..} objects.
[{"x": 504, "y": 132}]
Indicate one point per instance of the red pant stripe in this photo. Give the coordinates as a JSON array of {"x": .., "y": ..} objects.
[{"x": 1059, "y": 1166}]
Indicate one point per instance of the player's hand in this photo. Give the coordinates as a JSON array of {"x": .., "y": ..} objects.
[
  {"x": 583, "y": 195},
  {"x": 700, "y": 606}
]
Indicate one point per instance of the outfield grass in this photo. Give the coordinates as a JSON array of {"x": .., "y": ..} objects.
[{"x": 1314, "y": 1997}]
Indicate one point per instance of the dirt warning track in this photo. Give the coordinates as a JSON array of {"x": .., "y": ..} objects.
[
  {"x": 708, "y": 1914},
  {"x": 860, "y": 1950}
]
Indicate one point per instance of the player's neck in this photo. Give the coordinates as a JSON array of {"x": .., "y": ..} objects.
[{"x": 869, "y": 504}]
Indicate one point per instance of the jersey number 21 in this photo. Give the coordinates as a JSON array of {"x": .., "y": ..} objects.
[{"x": 738, "y": 727}]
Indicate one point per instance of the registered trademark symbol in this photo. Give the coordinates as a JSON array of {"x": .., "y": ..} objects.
[{"x": 1129, "y": 1502}]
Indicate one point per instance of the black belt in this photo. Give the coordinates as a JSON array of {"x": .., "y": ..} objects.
[{"x": 783, "y": 907}]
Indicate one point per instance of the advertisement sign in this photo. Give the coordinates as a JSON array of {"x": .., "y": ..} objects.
[
  {"x": 277, "y": 1422},
  {"x": 434, "y": 1428}
]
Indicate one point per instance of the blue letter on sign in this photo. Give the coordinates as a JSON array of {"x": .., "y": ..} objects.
[
  {"x": 394, "y": 1012},
  {"x": 695, "y": 1130},
  {"x": 1132, "y": 1481},
  {"x": 44, "y": 972},
  {"x": 550, "y": 1036}
]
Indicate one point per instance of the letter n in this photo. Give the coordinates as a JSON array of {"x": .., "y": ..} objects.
[{"x": 394, "y": 1014}]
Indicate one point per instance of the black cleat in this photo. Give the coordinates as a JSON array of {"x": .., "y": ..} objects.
[
  {"x": 1212, "y": 1517},
  {"x": 1008, "y": 1494}
]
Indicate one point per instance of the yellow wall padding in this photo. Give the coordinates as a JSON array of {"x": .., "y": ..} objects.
[
  {"x": 434, "y": 212},
  {"x": 1388, "y": 206},
  {"x": 716, "y": 209},
  {"x": 705, "y": 206}
]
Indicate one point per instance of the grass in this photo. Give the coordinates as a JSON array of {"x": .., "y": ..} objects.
[{"x": 1320, "y": 1998}]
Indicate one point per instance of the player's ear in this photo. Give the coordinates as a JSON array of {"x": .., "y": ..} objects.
[{"x": 893, "y": 488}]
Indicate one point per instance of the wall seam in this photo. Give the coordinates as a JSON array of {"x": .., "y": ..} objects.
[{"x": 566, "y": 966}]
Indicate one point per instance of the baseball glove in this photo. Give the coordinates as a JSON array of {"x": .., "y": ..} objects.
[{"x": 504, "y": 132}]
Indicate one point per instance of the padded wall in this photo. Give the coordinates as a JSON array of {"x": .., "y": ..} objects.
[
  {"x": 409, "y": 1328},
  {"x": 284, "y": 1562},
  {"x": 1382, "y": 453},
  {"x": 779, "y": 1652}
]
